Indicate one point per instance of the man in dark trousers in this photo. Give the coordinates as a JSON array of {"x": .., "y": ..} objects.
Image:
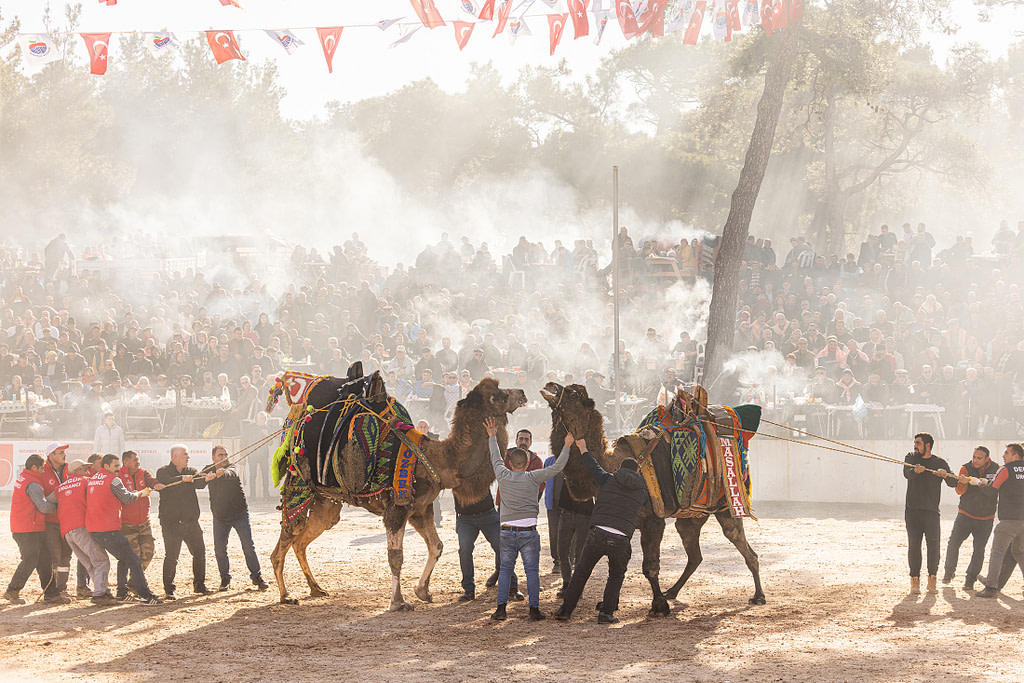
[
  {"x": 28, "y": 526},
  {"x": 1009, "y": 533},
  {"x": 975, "y": 516},
  {"x": 179, "y": 519},
  {"x": 925, "y": 473},
  {"x": 230, "y": 511},
  {"x": 55, "y": 471},
  {"x": 619, "y": 499}
]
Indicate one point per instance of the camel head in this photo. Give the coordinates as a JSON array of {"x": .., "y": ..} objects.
[
  {"x": 490, "y": 400},
  {"x": 571, "y": 405}
]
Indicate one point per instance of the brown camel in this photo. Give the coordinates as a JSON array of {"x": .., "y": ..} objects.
[
  {"x": 573, "y": 410},
  {"x": 462, "y": 462}
]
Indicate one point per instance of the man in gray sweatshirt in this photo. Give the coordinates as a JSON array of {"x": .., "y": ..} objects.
[{"x": 518, "y": 516}]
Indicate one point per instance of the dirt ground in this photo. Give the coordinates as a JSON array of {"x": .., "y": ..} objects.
[{"x": 837, "y": 610}]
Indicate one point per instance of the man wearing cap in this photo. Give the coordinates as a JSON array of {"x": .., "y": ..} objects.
[
  {"x": 596, "y": 390},
  {"x": 71, "y": 512},
  {"x": 612, "y": 523},
  {"x": 476, "y": 365},
  {"x": 135, "y": 516},
  {"x": 105, "y": 498},
  {"x": 29, "y": 507},
  {"x": 179, "y": 519},
  {"x": 54, "y": 473}
]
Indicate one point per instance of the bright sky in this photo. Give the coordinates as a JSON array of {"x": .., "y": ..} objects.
[{"x": 364, "y": 64}]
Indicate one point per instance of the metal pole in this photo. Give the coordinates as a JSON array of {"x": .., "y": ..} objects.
[{"x": 615, "y": 295}]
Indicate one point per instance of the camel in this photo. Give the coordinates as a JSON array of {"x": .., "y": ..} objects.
[
  {"x": 462, "y": 462},
  {"x": 573, "y": 410}
]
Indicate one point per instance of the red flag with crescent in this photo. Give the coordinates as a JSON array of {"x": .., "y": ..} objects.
[
  {"x": 796, "y": 11},
  {"x": 696, "y": 19},
  {"x": 504, "y": 9},
  {"x": 97, "y": 44},
  {"x": 329, "y": 41},
  {"x": 463, "y": 30},
  {"x": 486, "y": 11},
  {"x": 627, "y": 19},
  {"x": 578, "y": 13},
  {"x": 732, "y": 8},
  {"x": 780, "y": 14},
  {"x": 426, "y": 10},
  {"x": 767, "y": 16},
  {"x": 224, "y": 46},
  {"x": 556, "y": 26},
  {"x": 654, "y": 19}
]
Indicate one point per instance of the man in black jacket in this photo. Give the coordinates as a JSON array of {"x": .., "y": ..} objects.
[
  {"x": 925, "y": 473},
  {"x": 975, "y": 515},
  {"x": 612, "y": 524},
  {"x": 179, "y": 518},
  {"x": 1008, "y": 538},
  {"x": 230, "y": 511}
]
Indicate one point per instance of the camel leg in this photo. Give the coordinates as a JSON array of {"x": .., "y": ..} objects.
[
  {"x": 652, "y": 529},
  {"x": 733, "y": 530},
  {"x": 423, "y": 521},
  {"x": 322, "y": 517},
  {"x": 689, "y": 531},
  {"x": 394, "y": 527},
  {"x": 277, "y": 560}
]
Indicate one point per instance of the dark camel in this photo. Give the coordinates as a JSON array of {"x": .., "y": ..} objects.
[
  {"x": 462, "y": 462},
  {"x": 572, "y": 409}
]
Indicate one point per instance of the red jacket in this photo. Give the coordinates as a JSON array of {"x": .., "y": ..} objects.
[
  {"x": 137, "y": 512},
  {"x": 25, "y": 518},
  {"x": 71, "y": 503},
  {"x": 50, "y": 481},
  {"x": 102, "y": 509}
]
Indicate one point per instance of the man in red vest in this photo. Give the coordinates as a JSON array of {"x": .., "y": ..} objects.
[
  {"x": 55, "y": 471},
  {"x": 135, "y": 516},
  {"x": 71, "y": 506},
  {"x": 28, "y": 526},
  {"x": 106, "y": 496},
  {"x": 84, "y": 591}
]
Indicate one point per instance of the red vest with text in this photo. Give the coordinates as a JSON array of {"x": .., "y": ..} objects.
[
  {"x": 50, "y": 481},
  {"x": 137, "y": 512},
  {"x": 71, "y": 503},
  {"x": 102, "y": 509},
  {"x": 25, "y": 517}
]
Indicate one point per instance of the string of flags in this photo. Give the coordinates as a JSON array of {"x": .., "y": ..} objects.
[{"x": 635, "y": 18}]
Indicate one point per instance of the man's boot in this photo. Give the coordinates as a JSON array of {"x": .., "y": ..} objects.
[
  {"x": 13, "y": 598},
  {"x": 932, "y": 588},
  {"x": 499, "y": 614},
  {"x": 915, "y": 585}
]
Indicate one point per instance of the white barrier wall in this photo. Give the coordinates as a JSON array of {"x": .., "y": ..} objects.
[{"x": 785, "y": 471}]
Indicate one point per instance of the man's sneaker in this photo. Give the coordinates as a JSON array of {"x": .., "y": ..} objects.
[
  {"x": 105, "y": 599},
  {"x": 84, "y": 592},
  {"x": 515, "y": 596},
  {"x": 13, "y": 598},
  {"x": 969, "y": 584},
  {"x": 467, "y": 596},
  {"x": 127, "y": 597},
  {"x": 492, "y": 580},
  {"x": 946, "y": 578},
  {"x": 260, "y": 584},
  {"x": 605, "y": 618},
  {"x": 57, "y": 599},
  {"x": 224, "y": 587},
  {"x": 536, "y": 614},
  {"x": 989, "y": 592},
  {"x": 499, "y": 614},
  {"x": 562, "y": 614},
  {"x": 152, "y": 601},
  {"x": 203, "y": 590},
  {"x": 170, "y": 596}
]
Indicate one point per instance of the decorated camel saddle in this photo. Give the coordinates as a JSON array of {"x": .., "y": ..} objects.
[
  {"x": 345, "y": 438},
  {"x": 704, "y": 468}
]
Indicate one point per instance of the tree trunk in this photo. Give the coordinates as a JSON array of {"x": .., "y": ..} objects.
[{"x": 722, "y": 315}]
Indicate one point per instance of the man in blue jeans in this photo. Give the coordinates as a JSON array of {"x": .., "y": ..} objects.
[
  {"x": 471, "y": 520},
  {"x": 518, "y": 516},
  {"x": 231, "y": 511}
]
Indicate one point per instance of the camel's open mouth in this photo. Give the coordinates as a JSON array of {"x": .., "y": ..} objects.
[
  {"x": 518, "y": 398},
  {"x": 551, "y": 391}
]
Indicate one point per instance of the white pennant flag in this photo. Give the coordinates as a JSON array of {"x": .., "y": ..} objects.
[
  {"x": 406, "y": 37},
  {"x": 517, "y": 28},
  {"x": 385, "y": 24},
  {"x": 285, "y": 39},
  {"x": 601, "y": 22},
  {"x": 681, "y": 20},
  {"x": 39, "y": 48},
  {"x": 751, "y": 13},
  {"x": 161, "y": 44},
  {"x": 468, "y": 9},
  {"x": 720, "y": 21}
]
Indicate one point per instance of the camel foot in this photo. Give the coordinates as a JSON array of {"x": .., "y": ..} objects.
[
  {"x": 758, "y": 600},
  {"x": 318, "y": 593},
  {"x": 401, "y": 607},
  {"x": 285, "y": 600},
  {"x": 659, "y": 608},
  {"x": 423, "y": 594}
]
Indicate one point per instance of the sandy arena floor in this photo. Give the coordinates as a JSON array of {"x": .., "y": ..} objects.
[{"x": 837, "y": 610}]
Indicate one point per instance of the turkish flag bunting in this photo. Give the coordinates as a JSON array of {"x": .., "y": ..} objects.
[
  {"x": 504, "y": 9},
  {"x": 767, "y": 19},
  {"x": 578, "y": 12},
  {"x": 696, "y": 19},
  {"x": 426, "y": 10},
  {"x": 655, "y": 19},
  {"x": 486, "y": 11},
  {"x": 96, "y": 44},
  {"x": 627, "y": 20},
  {"x": 463, "y": 30},
  {"x": 556, "y": 26},
  {"x": 230, "y": 3},
  {"x": 796, "y": 11},
  {"x": 780, "y": 14},
  {"x": 224, "y": 46},
  {"x": 732, "y": 7},
  {"x": 108, "y": 3},
  {"x": 329, "y": 41}
]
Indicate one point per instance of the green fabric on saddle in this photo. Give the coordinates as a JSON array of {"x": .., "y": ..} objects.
[{"x": 379, "y": 446}]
